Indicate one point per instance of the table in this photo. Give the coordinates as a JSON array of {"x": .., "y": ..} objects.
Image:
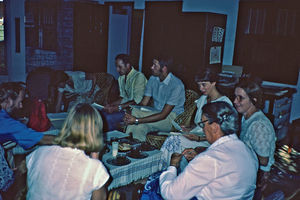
[{"x": 137, "y": 169}]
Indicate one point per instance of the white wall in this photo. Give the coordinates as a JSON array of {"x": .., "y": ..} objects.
[
  {"x": 118, "y": 38},
  {"x": 15, "y": 61}
]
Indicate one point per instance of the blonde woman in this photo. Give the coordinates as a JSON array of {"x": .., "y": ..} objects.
[{"x": 70, "y": 168}]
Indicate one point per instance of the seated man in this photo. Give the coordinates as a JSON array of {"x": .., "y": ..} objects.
[
  {"x": 168, "y": 94},
  {"x": 226, "y": 170},
  {"x": 11, "y": 97},
  {"x": 132, "y": 85}
]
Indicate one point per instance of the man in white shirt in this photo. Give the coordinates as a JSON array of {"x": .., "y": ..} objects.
[
  {"x": 168, "y": 95},
  {"x": 226, "y": 170}
]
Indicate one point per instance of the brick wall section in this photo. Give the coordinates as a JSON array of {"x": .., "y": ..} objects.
[{"x": 62, "y": 58}]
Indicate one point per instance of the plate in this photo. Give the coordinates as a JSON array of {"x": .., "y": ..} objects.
[
  {"x": 137, "y": 155},
  {"x": 146, "y": 147},
  {"x": 118, "y": 161}
]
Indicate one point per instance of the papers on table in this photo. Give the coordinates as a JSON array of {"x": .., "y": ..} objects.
[
  {"x": 98, "y": 106},
  {"x": 176, "y": 126},
  {"x": 143, "y": 108}
]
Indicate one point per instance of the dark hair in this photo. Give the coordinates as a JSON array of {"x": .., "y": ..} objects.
[
  {"x": 58, "y": 76},
  {"x": 251, "y": 86},
  {"x": 208, "y": 74},
  {"x": 124, "y": 57},
  {"x": 10, "y": 90},
  {"x": 165, "y": 60},
  {"x": 223, "y": 114}
]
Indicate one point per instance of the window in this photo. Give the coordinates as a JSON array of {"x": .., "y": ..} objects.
[
  {"x": 41, "y": 25},
  {"x": 3, "y": 69}
]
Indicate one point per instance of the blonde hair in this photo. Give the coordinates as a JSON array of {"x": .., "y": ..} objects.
[{"x": 82, "y": 129}]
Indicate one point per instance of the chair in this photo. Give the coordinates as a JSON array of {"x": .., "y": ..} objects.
[
  {"x": 157, "y": 139},
  {"x": 109, "y": 90},
  {"x": 189, "y": 109}
]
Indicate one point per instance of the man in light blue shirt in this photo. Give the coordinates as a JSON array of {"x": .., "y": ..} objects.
[{"x": 168, "y": 94}]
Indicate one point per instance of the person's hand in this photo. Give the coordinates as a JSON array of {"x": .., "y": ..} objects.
[
  {"x": 175, "y": 159},
  {"x": 192, "y": 137},
  {"x": 185, "y": 129},
  {"x": 189, "y": 154},
  {"x": 129, "y": 119},
  {"x": 95, "y": 155},
  {"x": 111, "y": 109}
]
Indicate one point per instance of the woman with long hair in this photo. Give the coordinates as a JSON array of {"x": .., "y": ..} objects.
[{"x": 70, "y": 168}]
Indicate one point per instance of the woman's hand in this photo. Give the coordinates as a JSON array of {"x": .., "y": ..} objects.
[
  {"x": 192, "y": 137},
  {"x": 189, "y": 154},
  {"x": 186, "y": 129},
  {"x": 175, "y": 159}
]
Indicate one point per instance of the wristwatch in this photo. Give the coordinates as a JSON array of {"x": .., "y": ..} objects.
[{"x": 136, "y": 121}]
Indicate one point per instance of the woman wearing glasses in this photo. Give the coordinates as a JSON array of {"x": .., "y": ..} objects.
[
  {"x": 256, "y": 129},
  {"x": 207, "y": 82}
]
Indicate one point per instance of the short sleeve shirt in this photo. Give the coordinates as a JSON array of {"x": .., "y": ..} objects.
[
  {"x": 134, "y": 86},
  {"x": 56, "y": 172},
  {"x": 258, "y": 133},
  {"x": 170, "y": 91}
]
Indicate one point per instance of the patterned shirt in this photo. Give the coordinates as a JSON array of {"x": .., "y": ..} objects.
[
  {"x": 6, "y": 174},
  {"x": 170, "y": 91},
  {"x": 258, "y": 133},
  {"x": 134, "y": 86}
]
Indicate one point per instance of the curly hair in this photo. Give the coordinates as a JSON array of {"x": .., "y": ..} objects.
[{"x": 10, "y": 90}]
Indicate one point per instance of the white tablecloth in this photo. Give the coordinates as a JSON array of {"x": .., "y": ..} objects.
[{"x": 137, "y": 169}]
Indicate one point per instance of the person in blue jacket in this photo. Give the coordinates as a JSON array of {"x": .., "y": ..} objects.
[{"x": 11, "y": 97}]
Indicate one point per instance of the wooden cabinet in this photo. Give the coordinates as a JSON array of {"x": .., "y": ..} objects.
[
  {"x": 267, "y": 40},
  {"x": 278, "y": 102},
  {"x": 194, "y": 39}
]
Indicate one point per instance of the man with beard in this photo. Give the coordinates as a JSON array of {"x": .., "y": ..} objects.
[
  {"x": 11, "y": 97},
  {"x": 168, "y": 94},
  {"x": 132, "y": 87}
]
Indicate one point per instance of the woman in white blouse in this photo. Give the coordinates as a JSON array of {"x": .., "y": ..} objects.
[
  {"x": 207, "y": 81},
  {"x": 70, "y": 169}
]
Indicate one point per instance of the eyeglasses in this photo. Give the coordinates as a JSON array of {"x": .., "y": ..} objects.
[{"x": 202, "y": 123}]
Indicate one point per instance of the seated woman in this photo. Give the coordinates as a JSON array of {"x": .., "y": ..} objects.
[
  {"x": 207, "y": 81},
  {"x": 70, "y": 169},
  {"x": 256, "y": 129},
  {"x": 79, "y": 87}
]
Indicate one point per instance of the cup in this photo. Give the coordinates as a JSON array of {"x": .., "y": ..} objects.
[{"x": 114, "y": 148}]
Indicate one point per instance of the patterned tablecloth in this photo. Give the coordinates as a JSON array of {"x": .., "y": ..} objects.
[{"x": 137, "y": 169}]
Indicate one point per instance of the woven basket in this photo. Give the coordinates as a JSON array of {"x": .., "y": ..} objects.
[
  {"x": 156, "y": 140},
  {"x": 189, "y": 108}
]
